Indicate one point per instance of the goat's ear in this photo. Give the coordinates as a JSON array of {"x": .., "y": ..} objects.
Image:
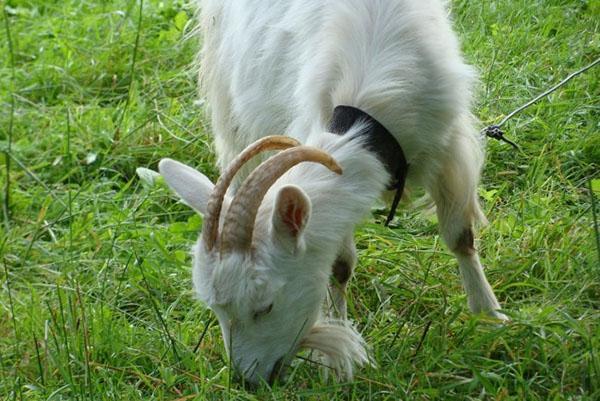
[
  {"x": 290, "y": 215},
  {"x": 193, "y": 187}
]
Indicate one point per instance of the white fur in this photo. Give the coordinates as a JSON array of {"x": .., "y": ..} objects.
[
  {"x": 186, "y": 181},
  {"x": 340, "y": 346},
  {"x": 280, "y": 67}
]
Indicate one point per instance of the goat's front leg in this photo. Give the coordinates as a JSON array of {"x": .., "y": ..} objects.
[{"x": 342, "y": 271}]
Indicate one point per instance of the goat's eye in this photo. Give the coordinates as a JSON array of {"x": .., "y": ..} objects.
[{"x": 262, "y": 312}]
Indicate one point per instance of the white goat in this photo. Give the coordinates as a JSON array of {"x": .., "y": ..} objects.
[{"x": 282, "y": 66}]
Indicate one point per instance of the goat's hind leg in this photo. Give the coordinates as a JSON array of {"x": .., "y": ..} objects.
[
  {"x": 455, "y": 196},
  {"x": 480, "y": 296}
]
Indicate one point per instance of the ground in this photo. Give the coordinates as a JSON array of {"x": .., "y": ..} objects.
[{"x": 95, "y": 295}]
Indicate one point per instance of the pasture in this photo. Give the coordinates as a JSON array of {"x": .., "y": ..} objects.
[{"x": 95, "y": 295}]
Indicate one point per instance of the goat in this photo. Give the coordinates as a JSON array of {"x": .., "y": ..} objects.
[{"x": 286, "y": 226}]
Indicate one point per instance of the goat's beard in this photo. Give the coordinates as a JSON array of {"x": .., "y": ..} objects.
[{"x": 339, "y": 347}]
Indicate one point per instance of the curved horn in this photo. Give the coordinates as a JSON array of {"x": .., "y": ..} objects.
[
  {"x": 215, "y": 202},
  {"x": 239, "y": 221}
]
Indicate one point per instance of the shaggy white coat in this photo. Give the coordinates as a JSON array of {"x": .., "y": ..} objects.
[{"x": 280, "y": 67}]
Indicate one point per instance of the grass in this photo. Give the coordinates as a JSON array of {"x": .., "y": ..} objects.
[{"x": 96, "y": 302}]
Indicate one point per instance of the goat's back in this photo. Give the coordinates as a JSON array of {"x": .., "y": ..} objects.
[{"x": 282, "y": 66}]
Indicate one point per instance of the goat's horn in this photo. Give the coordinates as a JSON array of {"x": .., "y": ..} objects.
[
  {"x": 215, "y": 202},
  {"x": 239, "y": 221}
]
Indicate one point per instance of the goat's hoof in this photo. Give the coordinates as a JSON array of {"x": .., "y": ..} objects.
[{"x": 498, "y": 315}]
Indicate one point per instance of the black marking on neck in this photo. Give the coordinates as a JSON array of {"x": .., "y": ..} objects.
[{"x": 379, "y": 141}]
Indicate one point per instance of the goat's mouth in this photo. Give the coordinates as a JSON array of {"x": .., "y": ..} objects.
[
  {"x": 252, "y": 381},
  {"x": 278, "y": 371}
]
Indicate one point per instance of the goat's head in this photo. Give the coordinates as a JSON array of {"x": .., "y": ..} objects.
[{"x": 256, "y": 275}]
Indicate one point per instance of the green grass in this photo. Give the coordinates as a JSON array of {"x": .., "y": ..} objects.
[{"x": 95, "y": 296}]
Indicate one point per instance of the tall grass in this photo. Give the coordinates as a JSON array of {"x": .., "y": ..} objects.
[{"x": 96, "y": 298}]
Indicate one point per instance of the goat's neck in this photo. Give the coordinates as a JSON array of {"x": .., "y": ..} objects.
[{"x": 339, "y": 202}]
